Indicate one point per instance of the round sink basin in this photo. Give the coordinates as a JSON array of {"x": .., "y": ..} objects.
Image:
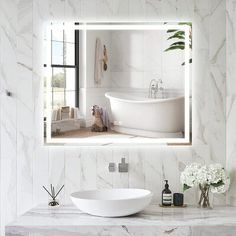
[{"x": 112, "y": 202}]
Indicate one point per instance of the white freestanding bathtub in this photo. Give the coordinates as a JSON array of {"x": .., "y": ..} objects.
[{"x": 155, "y": 118}]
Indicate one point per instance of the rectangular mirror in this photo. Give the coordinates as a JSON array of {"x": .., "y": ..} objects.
[{"x": 115, "y": 83}]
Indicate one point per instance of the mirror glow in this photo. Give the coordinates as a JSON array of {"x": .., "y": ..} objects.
[{"x": 117, "y": 83}]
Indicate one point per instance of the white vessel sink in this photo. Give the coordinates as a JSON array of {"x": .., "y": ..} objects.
[{"x": 112, "y": 202}]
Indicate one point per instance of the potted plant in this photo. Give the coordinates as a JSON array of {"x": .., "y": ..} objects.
[{"x": 179, "y": 37}]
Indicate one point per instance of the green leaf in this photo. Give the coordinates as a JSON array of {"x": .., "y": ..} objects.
[
  {"x": 171, "y": 30},
  {"x": 186, "y": 187},
  {"x": 220, "y": 183},
  {"x": 180, "y": 32},
  {"x": 176, "y": 36},
  {"x": 181, "y": 47},
  {"x": 177, "y": 43}
]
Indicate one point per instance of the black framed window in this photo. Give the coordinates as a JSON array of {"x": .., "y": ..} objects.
[{"x": 65, "y": 67}]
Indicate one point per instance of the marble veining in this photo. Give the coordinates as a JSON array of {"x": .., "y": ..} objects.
[
  {"x": 68, "y": 220},
  {"x": 21, "y": 25},
  {"x": 230, "y": 96}
]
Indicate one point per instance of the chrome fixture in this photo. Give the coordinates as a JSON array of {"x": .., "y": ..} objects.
[
  {"x": 112, "y": 167},
  {"x": 154, "y": 87},
  {"x": 123, "y": 166}
]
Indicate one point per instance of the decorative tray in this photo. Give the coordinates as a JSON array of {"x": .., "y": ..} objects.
[{"x": 172, "y": 206}]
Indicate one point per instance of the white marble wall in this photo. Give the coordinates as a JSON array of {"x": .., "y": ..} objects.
[
  {"x": 26, "y": 164},
  {"x": 8, "y": 111},
  {"x": 138, "y": 57},
  {"x": 231, "y": 95}
]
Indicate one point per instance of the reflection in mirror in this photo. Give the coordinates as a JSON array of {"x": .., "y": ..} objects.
[{"x": 118, "y": 83}]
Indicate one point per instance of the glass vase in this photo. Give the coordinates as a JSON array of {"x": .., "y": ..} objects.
[{"x": 204, "y": 201}]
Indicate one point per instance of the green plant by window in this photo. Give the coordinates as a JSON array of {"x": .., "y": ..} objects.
[{"x": 179, "y": 36}]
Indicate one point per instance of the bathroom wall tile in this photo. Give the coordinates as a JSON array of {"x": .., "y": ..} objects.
[
  {"x": 104, "y": 177},
  {"x": 170, "y": 172},
  {"x": 142, "y": 51},
  {"x": 8, "y": 171},
  {"x": 121, "y": 10},
  {"x": 202, "y": 4},
  {"x": 104, "y": 9},
  {"x": 136, "y": 170},
  {"x": 57, "y": 169},
  {"x": 8, "y": 190},
  {"x": 127, "y": 51},
  {"x": 169, "y": 9},
  {"x": 8, "y": 74},
  {"x": 137, "y": 10},
  {"x": 200, "y": 72},
  {"x": 40, "y": 173},
  {"x": 9, "y": 18},
  {"x": 152, "y": 169},
  {"x": 38, "y": 58},
  {"x": 25, "y": 107},
  {"x": 73, "y": 10},
  {"x": 173, "y": 78},
  {"x": 185, "y": 9},
  {"x": 89, "y": 8},
  {"x": 26, "y": 84},
  {"x": 9, "y": 70},
  {"x": 127, "y": 79},
  {"x": 24, "y": 33},
  {"x": 153, "y": 49},
  {"x": 72, "y": 171},
  {"x": 216, "y": 103},
  {"x": 88, "y": 168},
  {"x": 57, "y": 10},
  {"x": 41, "y": 158},
  {"x": 8, "y": 125},
  {"x": 153, "y": 9},
  {"x": 42, "y": 9},
  {"x": 25, "y": 157},
  {"x": 231, "y": 95}
]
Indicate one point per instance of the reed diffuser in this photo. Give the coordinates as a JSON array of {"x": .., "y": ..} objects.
[{"x": 53, "y": 195}]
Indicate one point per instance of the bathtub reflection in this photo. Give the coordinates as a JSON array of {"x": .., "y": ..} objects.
[{"x": 136, "y": 114}]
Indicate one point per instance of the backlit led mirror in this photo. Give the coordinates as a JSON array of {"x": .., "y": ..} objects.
[{"x": 115, "y": 83}]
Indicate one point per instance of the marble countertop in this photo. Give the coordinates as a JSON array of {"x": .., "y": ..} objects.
[{"x": 68, "y": 220}]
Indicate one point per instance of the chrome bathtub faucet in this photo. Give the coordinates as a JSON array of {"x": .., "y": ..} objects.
[{"x": 154, "y": 87}]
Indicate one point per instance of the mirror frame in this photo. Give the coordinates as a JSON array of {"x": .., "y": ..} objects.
[{"x": 120, "y": 25}]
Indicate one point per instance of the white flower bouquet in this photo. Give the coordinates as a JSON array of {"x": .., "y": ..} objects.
[{"x": 212, "y": 178}]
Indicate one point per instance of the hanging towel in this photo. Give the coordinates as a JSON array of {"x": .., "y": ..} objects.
[{"x": 98, "y": 72}]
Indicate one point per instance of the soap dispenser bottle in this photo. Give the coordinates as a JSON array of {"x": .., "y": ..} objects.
[{"x": 166, "y": 195}]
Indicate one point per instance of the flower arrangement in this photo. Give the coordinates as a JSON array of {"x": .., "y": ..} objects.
[{"x": 212, "y": 178}]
